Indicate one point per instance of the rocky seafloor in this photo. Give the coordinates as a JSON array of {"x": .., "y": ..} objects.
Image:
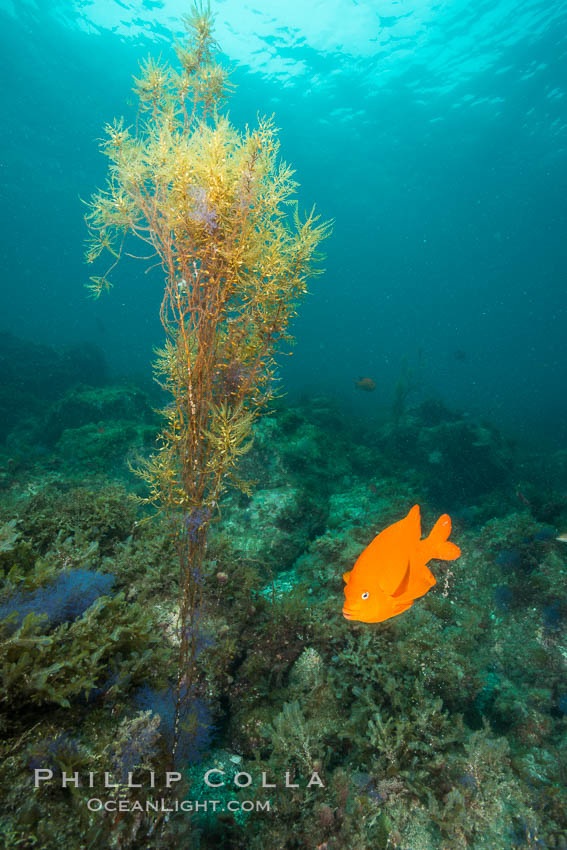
[{"x": 445, "y": 727}]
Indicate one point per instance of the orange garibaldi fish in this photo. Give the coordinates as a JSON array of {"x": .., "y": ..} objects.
[{"x": 392, "y": 571}]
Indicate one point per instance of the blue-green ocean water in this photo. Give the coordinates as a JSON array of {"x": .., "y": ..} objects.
[{"x": 433, "y": 133}]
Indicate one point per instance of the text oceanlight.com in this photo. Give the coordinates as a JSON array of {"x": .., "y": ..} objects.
[{"x": 95, "y": 804}]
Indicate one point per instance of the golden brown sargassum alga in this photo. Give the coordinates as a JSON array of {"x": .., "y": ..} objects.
[{"x": 215, "y": 208}]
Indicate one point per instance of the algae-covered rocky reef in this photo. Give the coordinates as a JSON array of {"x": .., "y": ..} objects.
[{"x": 443, "y": 727}]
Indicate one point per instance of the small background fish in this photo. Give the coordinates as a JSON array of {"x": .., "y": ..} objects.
[{"x": 366, "y": 384}]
